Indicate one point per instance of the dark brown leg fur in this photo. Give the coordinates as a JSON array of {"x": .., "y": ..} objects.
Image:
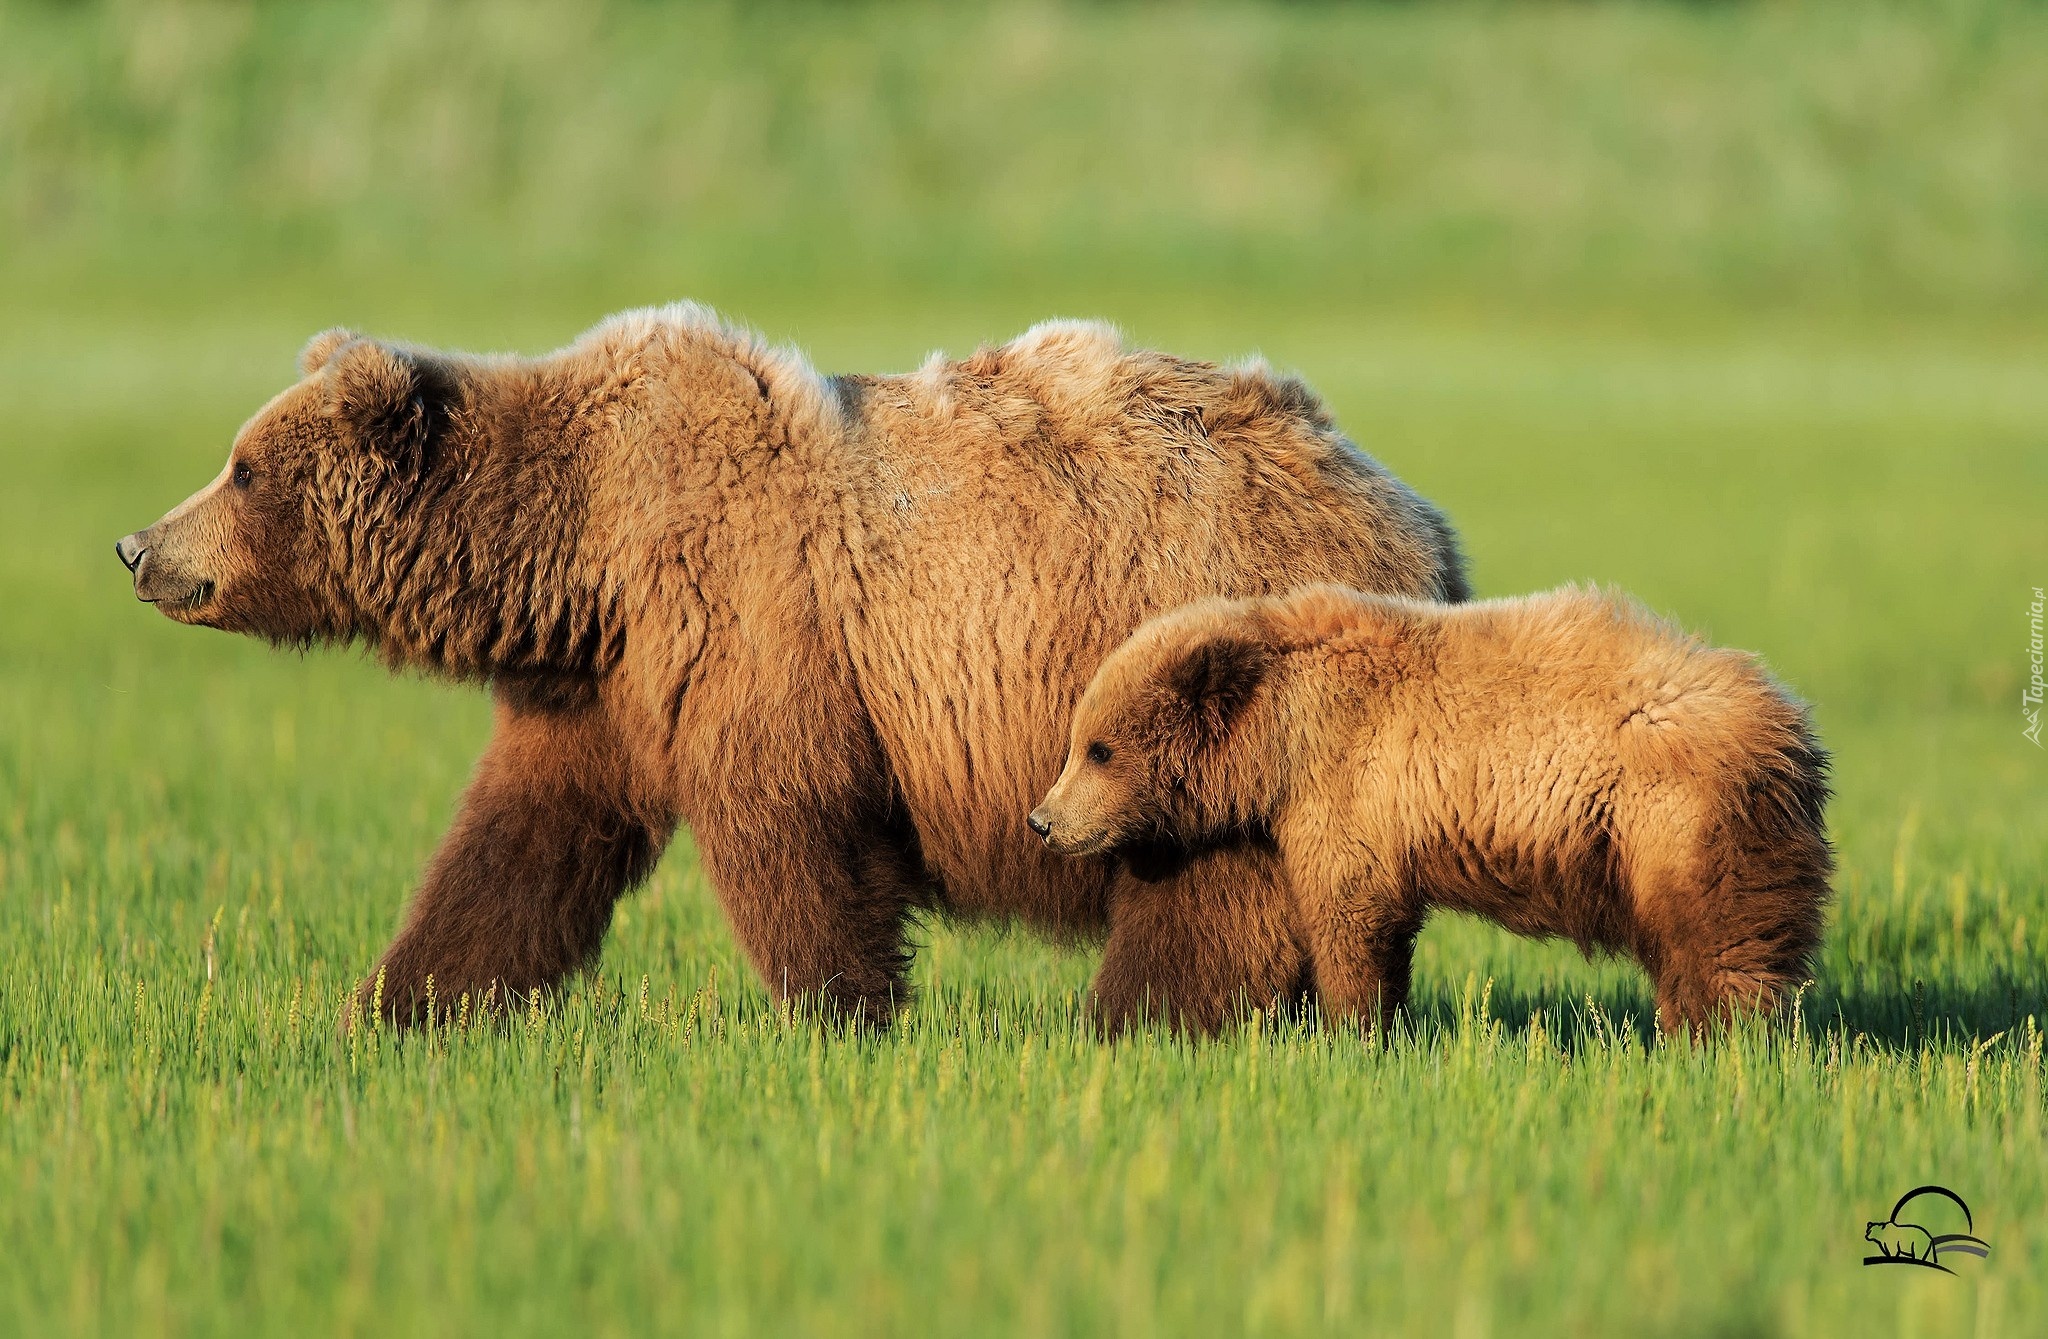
[
  {"x": 1739, "y": 936},
  {"x": 520, "y": 892},
  {"x": 1195, "y": 948},
  {"x": 819, "y": 907},
  {"x": 1362, "y": 937}
]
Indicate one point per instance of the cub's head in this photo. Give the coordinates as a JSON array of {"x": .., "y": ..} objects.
[
  {"x": 1154, "y": 752},
  {"x": 265, "y": 547}
]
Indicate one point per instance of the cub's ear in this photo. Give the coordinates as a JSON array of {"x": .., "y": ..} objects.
[
  {"x": 392, "y": 398},
  {"x": 1216, "y": 676},
  {"x": 321, "y": 347}
]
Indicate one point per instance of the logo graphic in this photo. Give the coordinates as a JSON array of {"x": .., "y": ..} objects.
[{"x": 1901, "y": 1241}]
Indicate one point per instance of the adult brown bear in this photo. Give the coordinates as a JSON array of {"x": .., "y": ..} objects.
[{"x": 835, "y": 624}]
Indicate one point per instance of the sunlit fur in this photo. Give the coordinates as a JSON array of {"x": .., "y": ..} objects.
[
  {"x": 1563, "y": 764},
  {"x": 829, "y": 622}
]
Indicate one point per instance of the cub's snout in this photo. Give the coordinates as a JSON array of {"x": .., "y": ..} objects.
[{"x": 1066, "y": 827}]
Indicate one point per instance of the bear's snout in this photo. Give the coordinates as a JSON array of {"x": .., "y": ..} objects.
[
  {"x": 160, "y": 580},
  {"x": 1039, "y": 823}
]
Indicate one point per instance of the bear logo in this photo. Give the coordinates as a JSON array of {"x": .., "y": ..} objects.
[{"x": 1908, "y": 1243}]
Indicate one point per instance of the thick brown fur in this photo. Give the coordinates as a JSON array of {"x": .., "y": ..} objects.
[
  {"x": 823, "y": 621},
  {"x": 1562, "y": 764}
]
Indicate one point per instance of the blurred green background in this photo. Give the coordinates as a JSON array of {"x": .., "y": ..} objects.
[
  {"x": 1778, "y": 157},
  {"x": 1743, "y": 307}
]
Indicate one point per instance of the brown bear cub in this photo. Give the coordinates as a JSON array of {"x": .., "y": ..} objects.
[{"x": 1563, "y": 764}]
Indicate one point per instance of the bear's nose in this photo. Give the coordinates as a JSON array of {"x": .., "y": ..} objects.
[
  {"x": 129, "y": 549},
  {"x": 1040, "y": 824}
]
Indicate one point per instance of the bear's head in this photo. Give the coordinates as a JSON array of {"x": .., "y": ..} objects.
[
  {"x": 312, "y": 479},
  {"x": 1156, "y": 751}
]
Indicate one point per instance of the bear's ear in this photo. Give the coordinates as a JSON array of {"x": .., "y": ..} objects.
[
  {"x": 1216, "y": 675},
  {"x": 322, "y": 347},
  {"x": 392, "y": 399}
]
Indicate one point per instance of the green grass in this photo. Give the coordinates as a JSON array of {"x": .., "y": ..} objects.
[{"x": 1834, "y": 452}]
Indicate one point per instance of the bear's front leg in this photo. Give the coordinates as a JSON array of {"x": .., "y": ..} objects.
[
  {"x": 521, "y": 891},
  {"x": 818, "y": 899}
]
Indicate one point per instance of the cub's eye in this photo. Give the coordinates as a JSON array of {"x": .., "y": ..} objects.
[
  {"x": 243, "y": 474},
  {"x": 1098, "y": 753}
]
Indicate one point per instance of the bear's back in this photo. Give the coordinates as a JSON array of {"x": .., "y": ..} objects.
[
  {"x": 1021, "y": 510},
  {"x": 1067, "y": 413}
]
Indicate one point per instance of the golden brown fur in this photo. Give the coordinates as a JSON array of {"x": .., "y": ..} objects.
[
  {"x": 824, "y": 621},
  {"x": 1562, "y": 764}
]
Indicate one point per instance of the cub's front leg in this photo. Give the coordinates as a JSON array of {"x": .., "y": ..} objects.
[{"x": 1361, "y": 918}]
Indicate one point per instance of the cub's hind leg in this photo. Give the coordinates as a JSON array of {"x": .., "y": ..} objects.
[
  {"x": 1768, "y": 907},
  {"x": 1730, "y": 927},
  {"x": 1669, "y": 890}
]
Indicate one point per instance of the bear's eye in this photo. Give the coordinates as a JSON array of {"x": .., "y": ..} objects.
[
  {"x": 1098, "y": 753},
  {"x": 243, "y": 474}
]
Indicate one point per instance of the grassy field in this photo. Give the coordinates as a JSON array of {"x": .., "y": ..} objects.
[{"x": 1761, "y": 341}]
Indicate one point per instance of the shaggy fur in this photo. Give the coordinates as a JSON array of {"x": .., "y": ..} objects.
[
  {"x": 1563, "y": 765},
  {"x": 824, "y": 621}
]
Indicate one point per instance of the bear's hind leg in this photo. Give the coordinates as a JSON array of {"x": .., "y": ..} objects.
[{"x": 1212, "y": 940}]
